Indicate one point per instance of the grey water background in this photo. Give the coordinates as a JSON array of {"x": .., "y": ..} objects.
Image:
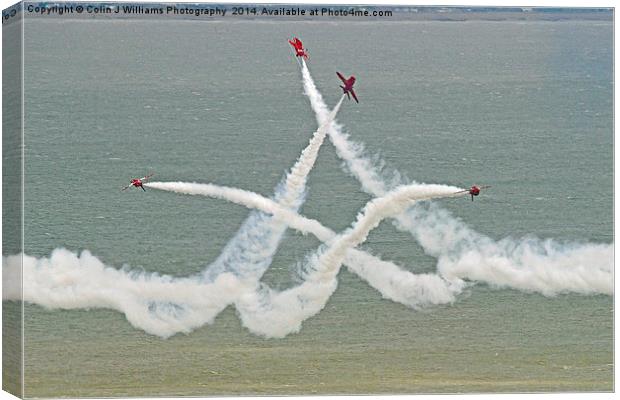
[{"x": 523, "y": 106}]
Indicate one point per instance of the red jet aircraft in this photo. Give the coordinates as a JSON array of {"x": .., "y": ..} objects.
[
  {"x": 348, "y": 86},
  {"x": 299, "y": 48},
  {"x": 137, "y": 183},
  {"x": 474, "y": 191}
]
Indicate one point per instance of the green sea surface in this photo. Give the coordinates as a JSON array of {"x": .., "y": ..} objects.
[{"x": 526, "y": 107}]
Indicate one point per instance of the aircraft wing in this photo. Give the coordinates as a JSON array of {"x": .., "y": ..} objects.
[
  {"x": 126, "y": 187},
  {"x": 147, "y": 177},
  {"x": 354, "y": 96},
  {"x": 296, "y": 43},
  {"x": 342, "y": 78}
]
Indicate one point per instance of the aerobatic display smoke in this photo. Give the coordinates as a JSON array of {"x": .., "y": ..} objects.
[
  {"x": 163, "y": 305},
  {"x": 394, "y": 283},
  {"x": 158, "y": 304},
  {"x": 531, "y": 264},
  {"x": 276, "y": 314},
  {"x": 84, "y": 281},
  {"x": 250, "y": 252}
]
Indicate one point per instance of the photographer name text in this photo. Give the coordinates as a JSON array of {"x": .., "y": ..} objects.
[{"x": 198, "y": 11}]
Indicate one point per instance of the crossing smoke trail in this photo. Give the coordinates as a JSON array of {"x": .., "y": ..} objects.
[
  {"x": 162, "y": 305},
  {"x": 413, "y": 290},
  {"x": 530, "y": 265},
  {"x": 250, "y": 252},
  {"x": 278, "y": 313}
]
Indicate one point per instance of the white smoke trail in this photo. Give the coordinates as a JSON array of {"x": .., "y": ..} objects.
[
  {"x": 530, "y": 264},
  {"x": 250, "y": 200},
  {"x": 352, "y": 153},
  {"x": 276, "y": 314},
  {"x": 250, "y": 252},
  {"x": 295, "y": 183},
  {"x": 394, "y": 283},
  {"x": 162, "y": 305},
  {"x": 158, "y": 304}
]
